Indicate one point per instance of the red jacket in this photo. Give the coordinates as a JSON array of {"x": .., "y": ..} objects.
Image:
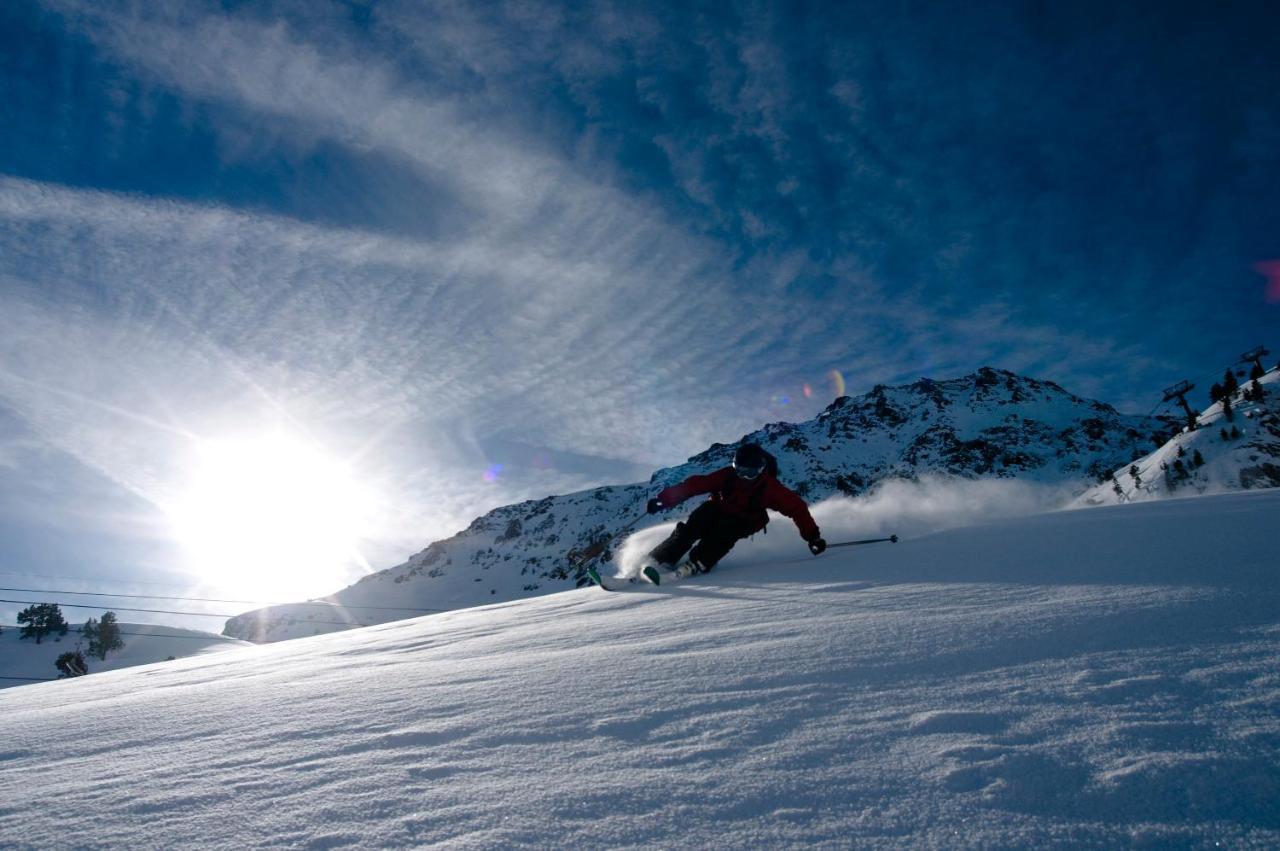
[{"x": 745, "y": 499}]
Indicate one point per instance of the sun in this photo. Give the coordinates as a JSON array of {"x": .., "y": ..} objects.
[{"x": 272, "y": 516}]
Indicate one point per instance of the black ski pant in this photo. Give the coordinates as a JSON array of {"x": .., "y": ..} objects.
[{"x": 714, "y": 532}]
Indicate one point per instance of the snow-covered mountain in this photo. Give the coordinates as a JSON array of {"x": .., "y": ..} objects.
[
  {"x": 992, "y": 423},
  {"x": 1235, "y": 451},
  {"x": 1082, "y": 679},
  {"x": 22, "y": 661}
]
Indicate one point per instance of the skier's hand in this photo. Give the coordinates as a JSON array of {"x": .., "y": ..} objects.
[
  {"x": 654, "y": 506},
  {"x": 817, "y": 546}
]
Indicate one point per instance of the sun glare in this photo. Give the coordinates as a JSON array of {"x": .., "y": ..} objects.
[{"x": 272, "y": 517}]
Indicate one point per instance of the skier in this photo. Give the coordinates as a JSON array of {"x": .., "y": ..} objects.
[{"x": 740, "y": 495}]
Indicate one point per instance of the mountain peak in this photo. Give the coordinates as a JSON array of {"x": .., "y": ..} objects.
[{"x": 991, "y": 423}]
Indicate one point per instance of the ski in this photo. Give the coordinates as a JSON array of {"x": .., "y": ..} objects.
[
  {"x": 607, "y": 584},
  {"x": 657, "y": 575},
  {"x": 599, "y": 580},
  {"x": 648, "y": 574}
]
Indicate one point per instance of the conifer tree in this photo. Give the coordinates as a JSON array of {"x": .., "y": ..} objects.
[
  {"x": 1215, "y": 394},
  {"x": 1235, "y": 433},
  {"x": 41, "y": 619},
  {"x": 71, "y": 664},
  {"x": 1197, "y": 459},
  {"x": 104, "y": 636},
  {"x": 1258, "y": 371},
  {"x": 1227, "y": 410},
  {"x": 1259, "y": 393},
  {"x": 1229, "y": 383},
  {"x": 89, "y": 632}
]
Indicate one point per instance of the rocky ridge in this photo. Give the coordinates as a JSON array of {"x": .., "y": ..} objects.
[{"x": 992, "y": 423}]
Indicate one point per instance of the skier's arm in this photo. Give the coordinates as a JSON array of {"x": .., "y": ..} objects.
[
  {"x": 787, "y": 502},
  {"x": 693, "y": 486}
]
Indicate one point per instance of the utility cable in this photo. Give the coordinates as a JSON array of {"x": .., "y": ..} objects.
[
  {"x": 76, "y": 631},
  {"x": 328, "y": 605},
  {"x": 165, "y": 611}
]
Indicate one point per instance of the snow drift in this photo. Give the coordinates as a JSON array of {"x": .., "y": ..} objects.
[{"x": 1102, "y": 678}]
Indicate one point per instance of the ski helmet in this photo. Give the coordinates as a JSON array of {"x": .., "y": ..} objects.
[{"x": 749, "y": 461}]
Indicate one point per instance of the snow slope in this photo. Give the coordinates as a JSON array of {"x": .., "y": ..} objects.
[
  {"x": 1246, "y": 459},
  {"x": 23, "y": 661},
  {"x": 991, "y": 424},
  {"x": 1102, "y": 678}
]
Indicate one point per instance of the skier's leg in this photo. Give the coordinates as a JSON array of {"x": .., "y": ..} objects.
[
  {"x": 717, "y": 541},
  {"x": 712, "y": 548},
  {"x": 670, "y": 551},
  {"x": 674, "y": 547}
]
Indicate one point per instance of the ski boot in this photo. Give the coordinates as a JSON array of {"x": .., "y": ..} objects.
[{"x": 689, "y": 568}]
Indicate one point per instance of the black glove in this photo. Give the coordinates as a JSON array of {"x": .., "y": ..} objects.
[
  {"x": 654, "y": 506},
  {"x": 817, "y": 546}
]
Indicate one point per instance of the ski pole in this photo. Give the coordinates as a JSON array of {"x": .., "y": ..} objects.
[{"x": 892, "y": 539}]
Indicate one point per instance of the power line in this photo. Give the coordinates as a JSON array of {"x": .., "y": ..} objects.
[
  {"x": 33, "y": 679},
  {"x": 121, "y": 608},
  {"x": 148, "y": 634},
  {"x": 328, "y": 605},
  {"x": 166, "y": 611}
]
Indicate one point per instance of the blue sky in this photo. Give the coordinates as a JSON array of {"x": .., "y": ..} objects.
[{"x": 484, "y": 252}]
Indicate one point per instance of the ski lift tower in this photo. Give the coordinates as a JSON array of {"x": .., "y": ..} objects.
[
  {"x": 1179, "y": 391},
  {"x": 1255, "y": 356}
]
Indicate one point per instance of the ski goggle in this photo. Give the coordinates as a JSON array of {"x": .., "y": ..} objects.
[{"x": 748, "y": 473}]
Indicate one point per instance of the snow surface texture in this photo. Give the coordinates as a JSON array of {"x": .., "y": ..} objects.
[
  {"x": 989, "y": 425},
  {"x": 1102, "y": 678},
  {"x": 1244, "y": 459},
  {"x": 23, "y": 661}
]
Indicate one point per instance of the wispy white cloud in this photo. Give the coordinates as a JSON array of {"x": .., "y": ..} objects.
[{"x": 562, "y": 311}]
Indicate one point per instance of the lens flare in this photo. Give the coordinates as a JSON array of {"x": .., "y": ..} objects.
[
  {"x": 1270, "y": 269},
  {"x": 837, "y": 382},
  {"x": 493, "y": 473}
]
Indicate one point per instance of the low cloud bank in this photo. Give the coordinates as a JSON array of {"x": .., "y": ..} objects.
[{"x": 908, "y": 509}]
